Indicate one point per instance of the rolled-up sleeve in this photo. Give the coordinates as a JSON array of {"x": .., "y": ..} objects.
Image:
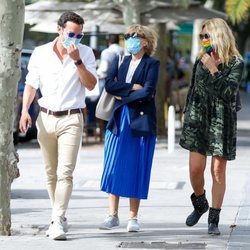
[
  {"x": 33, "y": 78},
  {"x": 226, "y": 85},
  {"x": 90, "y": 62}
]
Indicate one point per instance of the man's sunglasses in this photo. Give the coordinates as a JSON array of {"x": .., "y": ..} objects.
[
  {"x": 204, "y": 36},
  {"x": 133, "y": 35},
  {"x": 78, "y": 36}
]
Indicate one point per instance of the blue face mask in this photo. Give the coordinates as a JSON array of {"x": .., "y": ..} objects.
[
  {"x": 133, "y": 45},
  {"x": 70, "y": 40}
]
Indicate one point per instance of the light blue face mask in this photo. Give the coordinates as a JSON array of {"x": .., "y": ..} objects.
[
  {"x": 70, "y": 40},
  {"x": 133, "y": 45}
]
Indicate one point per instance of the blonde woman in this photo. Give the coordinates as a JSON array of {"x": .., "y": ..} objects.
[
  {"x": 210, "y": 117},
  {"x": 131, "y": 132}
]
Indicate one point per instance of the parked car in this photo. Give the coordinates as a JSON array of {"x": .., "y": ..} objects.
[{"x": 34, "y": 108}]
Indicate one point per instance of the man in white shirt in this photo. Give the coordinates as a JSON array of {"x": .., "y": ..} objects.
[
  {"x": 62, "y": 70},
  {"x": 107, "y": 57}
]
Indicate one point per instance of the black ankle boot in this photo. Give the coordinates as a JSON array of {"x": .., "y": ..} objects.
[
  {"x": 213, "y": 221},
  {"x": 201, "y": 206}
]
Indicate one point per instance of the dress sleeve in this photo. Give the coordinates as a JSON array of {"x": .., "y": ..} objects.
[{"x": 226, "y": 84}]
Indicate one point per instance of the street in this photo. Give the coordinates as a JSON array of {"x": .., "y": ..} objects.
[{"x": 162, "y": 217}]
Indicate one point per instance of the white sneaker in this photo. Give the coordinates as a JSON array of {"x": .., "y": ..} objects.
[
  {"x": 133, "y": 225},
  {"x": 57, "y": 229},
  {"x": 64, "y": 224},
  {"x": 110, "y": 222}
]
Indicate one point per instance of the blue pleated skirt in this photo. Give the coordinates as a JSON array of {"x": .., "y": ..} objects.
[{"x": 127, "y": 161}]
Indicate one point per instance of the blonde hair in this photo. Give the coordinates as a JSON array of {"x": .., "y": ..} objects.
[
  {"x": 222, "y": 39},
  {"x": 148, "y": 34}
]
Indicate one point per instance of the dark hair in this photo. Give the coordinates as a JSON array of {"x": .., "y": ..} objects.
[
  {"x": 69, "y": 17},
  {"x": 113, "y": 38}
]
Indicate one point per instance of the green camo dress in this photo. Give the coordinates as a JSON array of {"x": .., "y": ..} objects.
[{"x": 210, "y": 117}]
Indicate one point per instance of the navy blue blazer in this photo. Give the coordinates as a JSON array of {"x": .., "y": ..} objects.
[{"x": 141, "y": 103}]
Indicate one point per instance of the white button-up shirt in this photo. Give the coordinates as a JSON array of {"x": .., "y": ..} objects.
[
  {"x": 59, "y": 82},
  {"x": 131, "y": 70}
]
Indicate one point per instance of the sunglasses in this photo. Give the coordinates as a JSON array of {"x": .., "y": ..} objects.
[
  {"x": 133, "y": 35},
  {"x": 204, "y": 36},
  {"x": 78, "y": 36}
]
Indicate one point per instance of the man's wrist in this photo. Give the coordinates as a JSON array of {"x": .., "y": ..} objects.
[
  {"x": 78, "y": 62},
  {"x": 25, "y": 110}
]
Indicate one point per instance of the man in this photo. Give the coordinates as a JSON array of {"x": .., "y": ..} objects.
[
  {"x": 107, "y": 57},
  {"x": 61, "y": 69}
]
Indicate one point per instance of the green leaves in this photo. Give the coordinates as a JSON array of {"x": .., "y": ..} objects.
[
  {"x": 237, "y": 10},
  {"x": 182, "y": 3}
]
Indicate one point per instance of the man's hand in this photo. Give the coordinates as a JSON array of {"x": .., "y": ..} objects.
[
  {"x": 73, "y": 52},
  {"x": 25, "y": 122}
]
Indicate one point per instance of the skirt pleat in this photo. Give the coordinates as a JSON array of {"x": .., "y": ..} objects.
[{"x": 127, "y": 161}]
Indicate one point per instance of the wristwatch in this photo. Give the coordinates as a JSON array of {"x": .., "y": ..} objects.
[{"x": 78, "y": 62}]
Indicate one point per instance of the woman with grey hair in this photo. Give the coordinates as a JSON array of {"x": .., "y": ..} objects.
[{"x": 131, "y": 131}]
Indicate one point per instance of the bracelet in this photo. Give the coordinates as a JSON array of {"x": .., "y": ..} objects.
[{"x": 78, "y": 62}]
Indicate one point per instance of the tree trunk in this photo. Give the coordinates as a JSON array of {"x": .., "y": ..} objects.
[
  {"x": 11, "y": 30},
  {"x": 161, "y": 54},
  {"x": 131, "y": 12}
]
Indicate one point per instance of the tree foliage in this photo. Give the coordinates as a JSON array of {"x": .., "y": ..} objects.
[
  {"x": 182, "y": 3},
  {"x": 84, "y": 1},
  {"x": 237, "y": 10},
  {"x": 238, "y": 17}
]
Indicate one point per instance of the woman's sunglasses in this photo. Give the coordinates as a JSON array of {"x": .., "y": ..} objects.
[
  {"x": 204, "y": 36},
  {"x": 78, "y": 36},
  {"x": 133, "y": 35}
]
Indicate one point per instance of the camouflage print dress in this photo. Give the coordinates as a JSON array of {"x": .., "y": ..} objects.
[{"x": 210, "y": 114}]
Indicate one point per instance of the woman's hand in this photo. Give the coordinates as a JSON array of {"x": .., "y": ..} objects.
[
  {"x": 211, "y": 62},
  {"x": 136, "y": 86}
]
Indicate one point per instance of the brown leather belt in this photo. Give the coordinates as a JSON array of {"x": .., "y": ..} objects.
[{"x": 61, "y": 113}]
